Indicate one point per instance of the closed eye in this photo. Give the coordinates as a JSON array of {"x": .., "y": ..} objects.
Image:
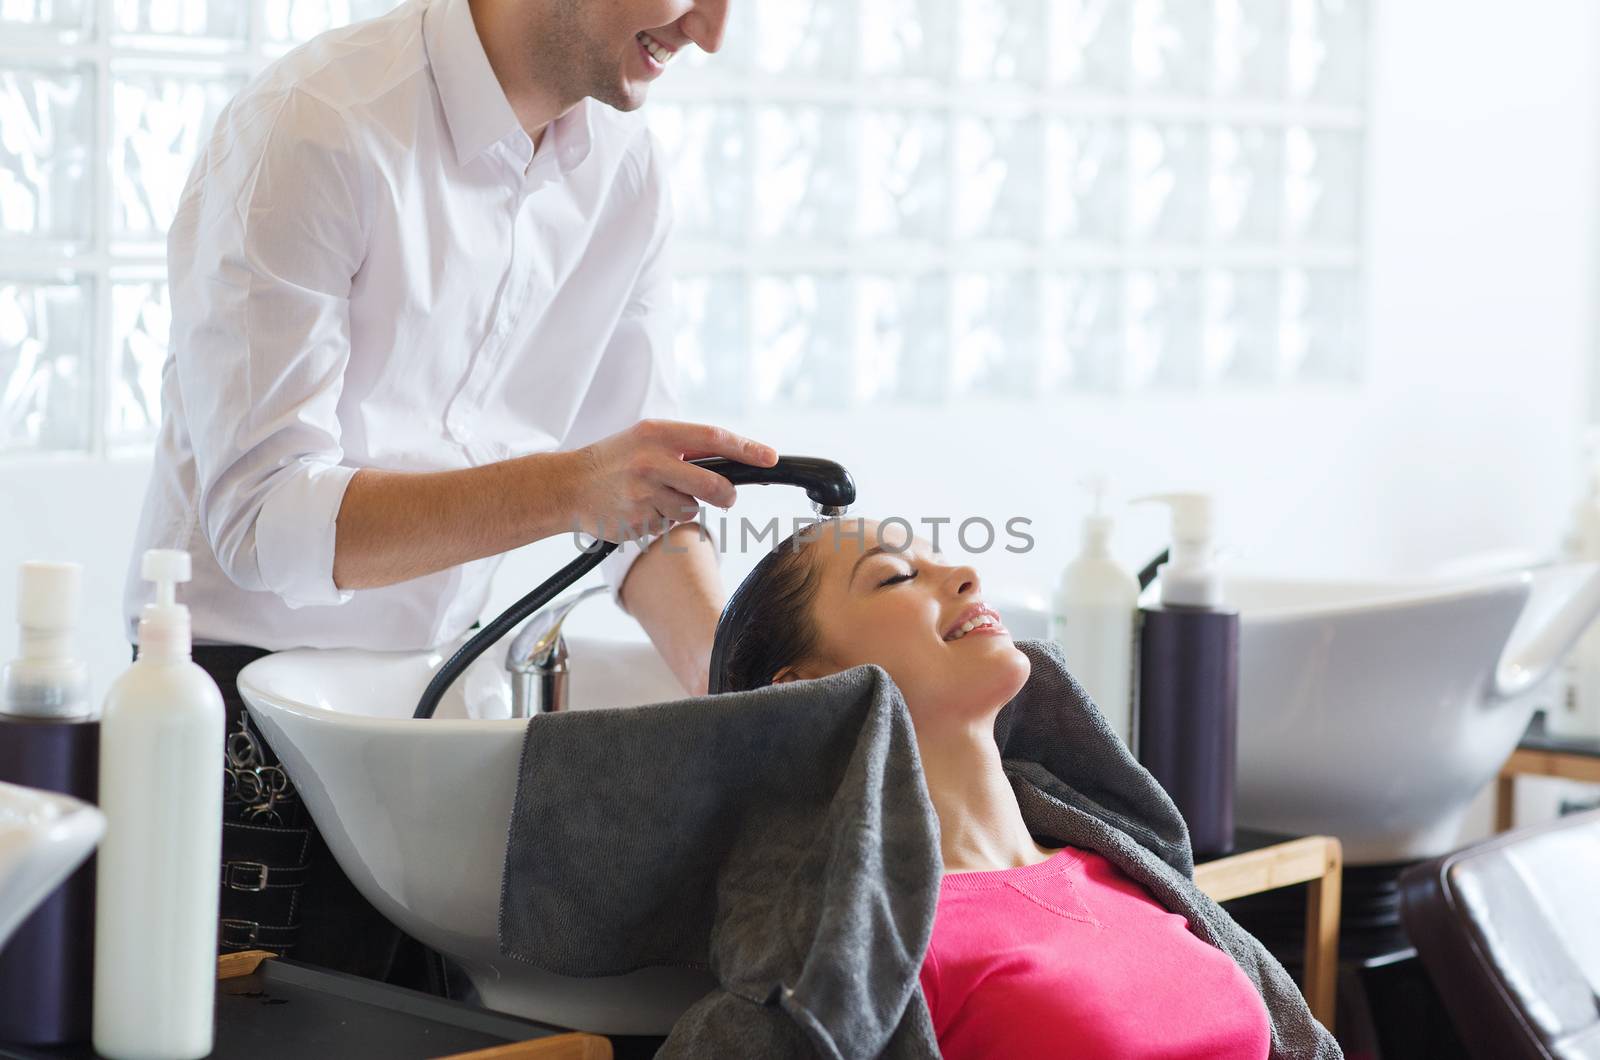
[{"x": 898, "y": 578}]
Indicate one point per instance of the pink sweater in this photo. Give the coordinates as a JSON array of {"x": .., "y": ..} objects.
[{"x": 1071, "y": 958}]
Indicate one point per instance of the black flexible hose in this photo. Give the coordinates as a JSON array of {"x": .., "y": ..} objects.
[{"x": 508, "y": 620}]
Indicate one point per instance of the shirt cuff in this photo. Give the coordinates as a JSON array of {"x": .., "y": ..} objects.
[
  {"x": 295, "y": 533},
  {"x": 614, "y": 568}
]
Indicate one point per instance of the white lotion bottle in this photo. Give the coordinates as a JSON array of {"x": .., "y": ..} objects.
[
  {"x": 156, "y": 896},
  {"x": 1094, "y": 616}
]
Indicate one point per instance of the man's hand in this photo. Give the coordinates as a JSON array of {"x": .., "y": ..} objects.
[{"x": 640, "y": 478}]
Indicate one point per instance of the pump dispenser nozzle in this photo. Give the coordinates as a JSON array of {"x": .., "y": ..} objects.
[
  {"x": 1189, "y": 578},
  {"x": 164, "y": 623},
  {"x": 1097, "y": 525}
]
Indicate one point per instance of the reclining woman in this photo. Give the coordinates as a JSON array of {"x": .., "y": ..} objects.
[{"x": 1036, "y": 951}]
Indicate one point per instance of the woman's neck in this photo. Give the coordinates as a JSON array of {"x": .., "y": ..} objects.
[{"x": 980, "y": 823}]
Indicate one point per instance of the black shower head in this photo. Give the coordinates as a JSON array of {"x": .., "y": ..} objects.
[{"x": 828, "y": 484}]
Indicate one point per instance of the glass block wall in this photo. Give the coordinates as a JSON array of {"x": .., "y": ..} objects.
[{"x": 878, "y": 200}]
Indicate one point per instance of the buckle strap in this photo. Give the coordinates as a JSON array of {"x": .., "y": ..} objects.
[
  {"x": 258, "y": 876},
  {"x": 234, "y": 933}
]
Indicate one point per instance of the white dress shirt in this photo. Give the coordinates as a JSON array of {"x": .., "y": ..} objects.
[{"x": 372, "y": 267}]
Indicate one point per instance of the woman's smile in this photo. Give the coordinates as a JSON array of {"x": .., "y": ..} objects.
[{"x": 975, "y": 618}]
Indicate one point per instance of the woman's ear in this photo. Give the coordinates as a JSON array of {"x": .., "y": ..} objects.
[{"x": 787, "y": 674}]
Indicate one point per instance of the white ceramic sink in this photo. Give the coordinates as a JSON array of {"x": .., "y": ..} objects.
[
  {"x": 43, "y": 838},
  {"x": 416, "y": 811},
  {"x": 1377, "y": 711}
]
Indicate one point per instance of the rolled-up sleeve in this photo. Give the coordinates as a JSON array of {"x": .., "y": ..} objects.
[
  {"x": 636, "y": 378},
  {"x": 261, "y": 270}
]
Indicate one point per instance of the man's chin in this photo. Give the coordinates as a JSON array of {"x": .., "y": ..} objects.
[{"x": 623, "y": 97}]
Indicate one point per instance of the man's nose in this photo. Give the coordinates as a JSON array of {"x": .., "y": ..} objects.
[{"x": 705, "y": 24}]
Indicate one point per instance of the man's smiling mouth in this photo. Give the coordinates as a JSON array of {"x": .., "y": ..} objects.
[{"x": 658, "y": 51}]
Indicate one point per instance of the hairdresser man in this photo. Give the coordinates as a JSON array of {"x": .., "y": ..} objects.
[{"x": 420, "y": 317}]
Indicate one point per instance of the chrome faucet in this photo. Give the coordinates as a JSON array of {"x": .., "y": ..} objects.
[{"x": 537, "y": 659}]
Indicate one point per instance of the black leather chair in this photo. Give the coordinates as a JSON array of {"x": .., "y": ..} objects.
[{"x": 1509, "y": 931}]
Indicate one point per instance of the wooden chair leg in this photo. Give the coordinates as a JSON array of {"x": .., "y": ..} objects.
[
  {"x": 1322, "y": 936},
  {"x": 1505, "y": 802}
]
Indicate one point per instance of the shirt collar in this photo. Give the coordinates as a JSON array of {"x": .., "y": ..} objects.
[{"x": 475, "y": 106}]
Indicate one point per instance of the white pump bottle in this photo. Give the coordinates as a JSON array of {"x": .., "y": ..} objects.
[
  {"x": 1096, "y": 605},
  {"x": 161, "y": 738}
]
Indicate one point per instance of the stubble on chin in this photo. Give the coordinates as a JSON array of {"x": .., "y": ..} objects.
[{"x": 579, "y": 66}]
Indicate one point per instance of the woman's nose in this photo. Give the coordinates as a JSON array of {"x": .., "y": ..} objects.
[{"x": 964, "y": 580}]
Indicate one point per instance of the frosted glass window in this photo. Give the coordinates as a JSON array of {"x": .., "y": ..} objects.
[
  {"x": 1086, "y": 197},
  {"x": 1170, "y": 182},
  {"x": 95, "y": 150},
  {"x": 1251, "y": 48},
  {"x": 894, "y": 201},
  {"x": 47, "y": 123},
  {"x": 804, "y": 339},
  {"x": 58, "y": 21},
  {"x": 46, "y": 361},
  {"x": 141, "y": 317},
  {"x": 1327, "y": 50},
  {"x": 706, "y": 145},
  {"x": 1085, "y": 328},
  {"x": 1324, "y": 187},
  {"x": 1322, "y": 312},
  {"x": 293, "y": 21},
  {"x": 712, "y": 338},
  {"x": 1247, "y": 184},
  {"x": 904, "y": 175},
  {"x": 904, "y": 332},
  {"x": 1002, "y": 41},
  {"x": 908, "y": 39},
  {"x": 160, "y": 120},
  {"x": 805, "y": 172},
  {"x": 811, "y": 37},
  {"x": 1106, "y": 195},
  {"x": 1166, "y": 329},
  {"x": 1091, "y": 45},
  {"x": 1171, "y": 46},
  {"x": 996, "y": 334},
  {"x": 1243, "y": 336},
  {"x": 1000, "y": 172},
  {"x": 185, "y": 24}
]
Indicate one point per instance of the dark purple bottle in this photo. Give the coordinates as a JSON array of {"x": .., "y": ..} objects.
[
  {"x": 50, "y": 739},
  {"x": 1188, "y": 691},
  {"x": 1189, "y": 716}
]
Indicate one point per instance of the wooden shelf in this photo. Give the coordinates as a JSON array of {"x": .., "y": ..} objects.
[
  {"x": 1315, "y": 860},
  {"x": 1580, "y": 762}
]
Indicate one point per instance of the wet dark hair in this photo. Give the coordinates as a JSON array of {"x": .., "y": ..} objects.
[{"x": 766, "y": 624}]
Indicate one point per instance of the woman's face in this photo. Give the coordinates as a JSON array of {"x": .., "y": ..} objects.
[{"x": 887, "y": 598}]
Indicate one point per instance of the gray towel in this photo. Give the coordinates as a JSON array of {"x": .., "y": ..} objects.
[{"x": 784, "y": 839}]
